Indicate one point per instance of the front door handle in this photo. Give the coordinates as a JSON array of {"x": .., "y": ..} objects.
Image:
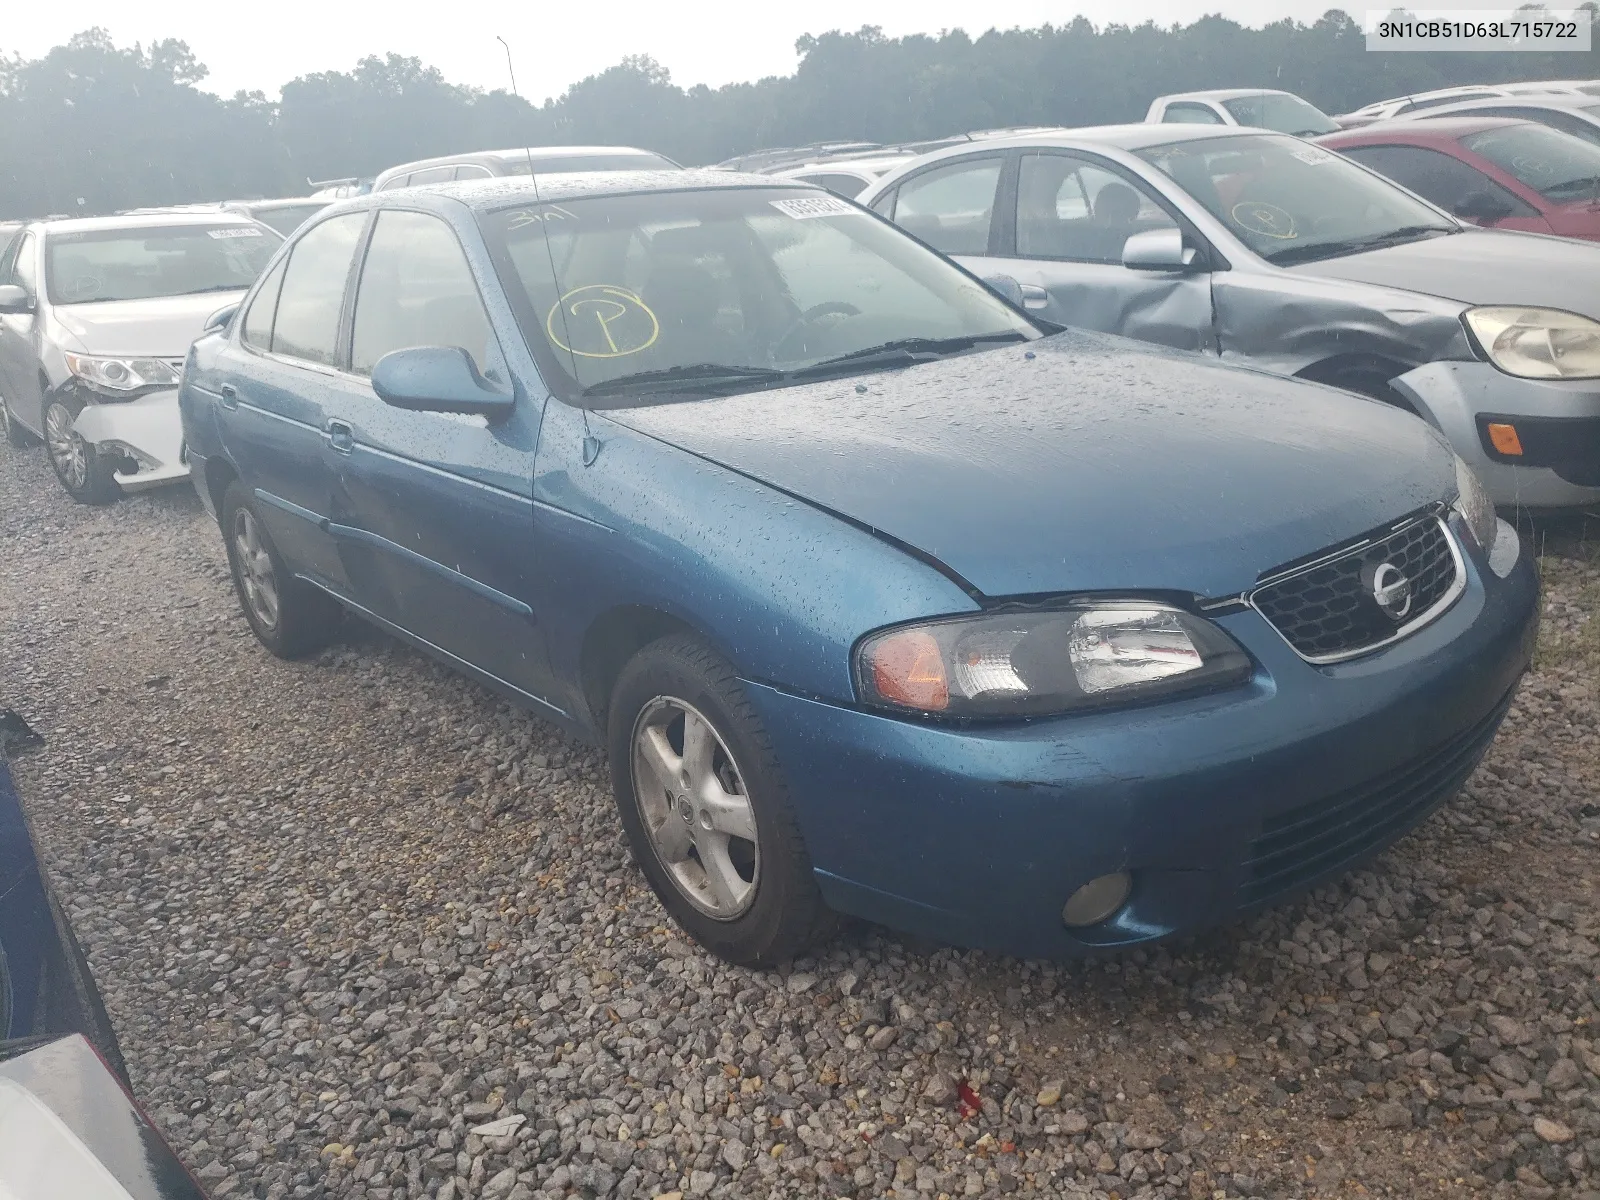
[
  {"x": 1034, "y": 296},
  {"x": 340, "y": 436},
  {"x": 230, "y": 395}
]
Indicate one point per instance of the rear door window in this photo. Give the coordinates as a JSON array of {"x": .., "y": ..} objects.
[
  {"x": 951, "y": 207},
  {"x": 307, "y": 321},
  {"x": 256, "y": 332}
]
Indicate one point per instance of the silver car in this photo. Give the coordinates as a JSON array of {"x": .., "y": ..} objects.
[
  {"x": 1577, "y": 115},
  {"x": 1264, "y": 108},
  {"x": 96, "y": 317},
  {"x": 1264, "y": 249}
]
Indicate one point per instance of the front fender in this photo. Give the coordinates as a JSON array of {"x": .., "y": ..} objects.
[{"x": 782, "y": 588}]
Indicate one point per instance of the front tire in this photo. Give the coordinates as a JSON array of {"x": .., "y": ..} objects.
[
  {"x": 703, "y": 801},
  {"x": 88, "y": 476},
  {"x": 288, "y": 616}
]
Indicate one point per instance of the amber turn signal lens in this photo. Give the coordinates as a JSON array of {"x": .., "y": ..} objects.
[
  {"x": 1504, "y": 439},
  {"x": 907, "y": 668}
]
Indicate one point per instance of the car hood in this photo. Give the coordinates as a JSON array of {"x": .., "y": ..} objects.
[
  {"x": 160, "y": 328},
  {"x": 1480, "y": 266},
  {"x": 1079, "y": 462}
]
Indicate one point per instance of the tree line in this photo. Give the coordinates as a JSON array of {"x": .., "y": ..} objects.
[{"x": 94, "y": 127}]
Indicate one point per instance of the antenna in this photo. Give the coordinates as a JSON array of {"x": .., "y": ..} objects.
[{"x": 555, "y": 279}]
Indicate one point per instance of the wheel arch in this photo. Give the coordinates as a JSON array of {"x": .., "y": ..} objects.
[
  {"x": 611, "y": 640},
  {"x": 1366, "y": 373}
]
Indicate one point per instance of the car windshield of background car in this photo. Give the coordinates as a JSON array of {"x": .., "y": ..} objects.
[
  {"x": 1293, "y": 202},
  {"x": 1560, "y": 167},
  {"x": 766, "y": 282},
  {"x": 1286, "y": 114},
  {"x": 86, "y": 267}
]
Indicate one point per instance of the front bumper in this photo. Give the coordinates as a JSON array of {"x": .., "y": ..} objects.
[
  {"x": 1217, "y": 805},
  {"x": 146, "y": 431},
  {"x": 1460, "y": 398}
]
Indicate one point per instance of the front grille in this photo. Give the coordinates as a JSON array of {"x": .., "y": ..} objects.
[
  {"x": 1327, "y": 609},
  {"x": 1303, "y": 843}
]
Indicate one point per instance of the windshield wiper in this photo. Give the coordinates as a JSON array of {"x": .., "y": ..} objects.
[
  {"x": 691, "y": 375},
  {"x": 1312, "y": 251},
  {"x": 218, "y": 287},
  {"x": 905, "y": 351}
]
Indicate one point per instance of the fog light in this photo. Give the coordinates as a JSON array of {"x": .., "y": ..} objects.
[{"x": 1096, "y": 900}]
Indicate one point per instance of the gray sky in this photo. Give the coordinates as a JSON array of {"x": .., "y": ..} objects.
[{"x": 556, "y": 43}]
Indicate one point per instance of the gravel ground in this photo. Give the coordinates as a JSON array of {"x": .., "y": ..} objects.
[{"x": 366, "y": 931}]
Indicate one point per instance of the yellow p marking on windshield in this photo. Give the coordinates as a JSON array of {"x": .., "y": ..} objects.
[{"x": 608, "y": 322}]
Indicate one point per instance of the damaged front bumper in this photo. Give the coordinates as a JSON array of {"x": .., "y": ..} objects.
[
  {"x": 1557, "y": 423},
  {"x": 146, "y": 432}
]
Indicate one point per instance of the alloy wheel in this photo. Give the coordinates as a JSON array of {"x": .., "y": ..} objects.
[
  {"x": 695, "y": 808},
  {"x": 69, "y": 454},
  {"x": 256, "y": 573}
]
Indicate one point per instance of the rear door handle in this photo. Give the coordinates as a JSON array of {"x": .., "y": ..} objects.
[
  {"x": 340, "y": 436},
  {"x": 1034, "y": 296},
  {"x": 230, "y": 395}
]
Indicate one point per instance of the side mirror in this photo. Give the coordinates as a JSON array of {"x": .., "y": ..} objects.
[
  {"x": 1005, "y": 287},
  {"x": 218, "y": 320},
  {"x": 1485, "y": 208},
  {"x": 14, "y": 300},
  {"x": 437, "y": 379},
  {"x": 1157, "y": 250}
]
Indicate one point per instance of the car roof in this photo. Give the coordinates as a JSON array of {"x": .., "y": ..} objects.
[
  {"x": 1224, "y": 94},
  {"x": 155, "y": 219},
  {"x": 1123, "y": 137},
  {"x": 509, "y": 153},
  {"x": 281, "y": 202},
  {"x": 1565, "y": 103},
  {"x": 1434, "y": 128},
  {"x": 485, "y": 194},
  {"x": 868, "y": 164}
]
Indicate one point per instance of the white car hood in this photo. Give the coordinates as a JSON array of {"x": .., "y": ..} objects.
[{"x": 161, "y": 328}]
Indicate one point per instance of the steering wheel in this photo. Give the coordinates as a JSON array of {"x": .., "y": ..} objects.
[{"x": 829, "y": 308}]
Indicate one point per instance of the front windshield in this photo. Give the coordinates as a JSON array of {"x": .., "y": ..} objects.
[
  {"x": 86, "y": 267},
  {"x": 1286, "y": 114},
  {"x": 736, "y": 287},
  {"x": 1558, "y": 166},
  {"x": 1293, "y": 202}
]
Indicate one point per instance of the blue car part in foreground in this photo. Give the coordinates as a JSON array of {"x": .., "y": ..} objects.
[
  {"x": 46, "y": 989},
  {"x": 881, "y": 600}
]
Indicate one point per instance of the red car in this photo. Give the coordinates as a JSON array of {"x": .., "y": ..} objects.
[{"x": 1496, "y": 171}]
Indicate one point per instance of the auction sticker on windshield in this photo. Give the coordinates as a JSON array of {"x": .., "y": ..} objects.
[{"x": 815, "y": 206}]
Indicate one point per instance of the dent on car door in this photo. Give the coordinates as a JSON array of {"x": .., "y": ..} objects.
[
  {"x": 1073, "y": 218},
  {"x": 19, "y": 354},
  {"x": 434, "y": 511},
  {"x": 276, "y": 384}
]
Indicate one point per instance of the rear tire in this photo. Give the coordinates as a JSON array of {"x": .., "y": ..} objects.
[
  {"x": 707, "y": 812},
  {"x": 88, "y": 476},
  {"x": 289, "y": 617}
]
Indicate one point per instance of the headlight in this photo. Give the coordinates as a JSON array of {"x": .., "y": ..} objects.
[
  {"x": 1031, "y": 663},
  {"x": 1475, "y": 507},
  {"x": 121, "y": 375},
  {"x": 1538, "y": 343}
]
